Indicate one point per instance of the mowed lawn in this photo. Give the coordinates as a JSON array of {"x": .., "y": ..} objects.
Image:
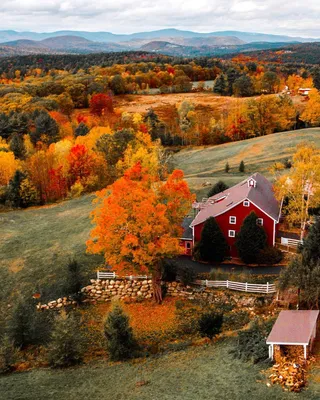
[
  {"x": 207, "y": 164},
  {"x": 196, "y": 373},
  {"x": 36, "y": 245}
]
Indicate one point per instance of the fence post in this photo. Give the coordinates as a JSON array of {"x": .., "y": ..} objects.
[
  {"x": 206, "y": 282},
  {"x": 227, "y": 284},
  {"x": 131, "y": 277},
  {"x": 267, "y": 287},
  {"x": 246, "y": 286},
  {"x": 97, "y": 274}
]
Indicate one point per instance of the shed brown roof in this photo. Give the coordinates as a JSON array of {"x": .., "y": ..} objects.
[
  {"x": 261, "y": 195},
  {"x": 293, "y": 327}
]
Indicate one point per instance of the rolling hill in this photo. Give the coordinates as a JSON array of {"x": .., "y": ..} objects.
[{"x": 36, "y": 244}]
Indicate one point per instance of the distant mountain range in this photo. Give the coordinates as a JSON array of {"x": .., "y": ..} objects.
[{"x": 167, "y": 41}]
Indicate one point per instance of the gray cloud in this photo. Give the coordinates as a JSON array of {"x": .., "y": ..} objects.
[{"x": 126, "y": 16}]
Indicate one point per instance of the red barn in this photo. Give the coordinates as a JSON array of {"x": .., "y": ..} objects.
[{"x": 233, "y": 205}]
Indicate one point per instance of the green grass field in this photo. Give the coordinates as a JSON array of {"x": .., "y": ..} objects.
[
  {"x": 196, "y": 373},
  {"x": 36, "y": 244},
  {"x": 206, "y": 164}
]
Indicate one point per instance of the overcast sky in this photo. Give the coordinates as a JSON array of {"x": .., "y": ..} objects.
[{"x": 290, "y": 17}]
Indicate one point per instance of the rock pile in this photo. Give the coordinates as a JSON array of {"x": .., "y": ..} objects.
[{"x": 104, "y": 290}]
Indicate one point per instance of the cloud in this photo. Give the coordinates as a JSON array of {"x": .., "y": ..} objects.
[{"x": 126, "y": 16}]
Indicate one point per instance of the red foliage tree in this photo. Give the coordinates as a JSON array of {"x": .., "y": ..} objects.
[
  {"x": 81, "y": 163},
  {"x": 58, "y": 186},
  {"x": 101, "y": 103}
]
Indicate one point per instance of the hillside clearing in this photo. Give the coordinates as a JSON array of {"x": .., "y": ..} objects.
[
  {"x": 208, "y": 372},
  {"x": 206, "y": 164},
  {"x": 36, "y": 245}
]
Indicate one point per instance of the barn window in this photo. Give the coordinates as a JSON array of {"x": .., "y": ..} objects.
[
  {"x": 260, "y": 221},
  {"x": 188, "y": 245},
  {"x": 232, "y": 234},
  {"x": 232, "y": 220},
  {"x": 246, "y": 203}
]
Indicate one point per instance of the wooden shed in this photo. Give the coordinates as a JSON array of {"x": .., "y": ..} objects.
[{"x": 294, "y": 328}]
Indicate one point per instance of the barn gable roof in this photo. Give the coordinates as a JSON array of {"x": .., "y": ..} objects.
[{"x": 260, "y": 194}]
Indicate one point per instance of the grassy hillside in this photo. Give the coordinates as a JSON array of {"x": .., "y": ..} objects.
[
  {"x": 206, "y": 164},
  {"x": 197, "y": 373},
  {"x": 36, "y": 244}
]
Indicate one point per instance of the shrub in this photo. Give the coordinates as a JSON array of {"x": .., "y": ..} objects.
[
  {"x": 251, "y": 343},
  {"x": 27, "y": 325},
  {"x": 169, "y": 271},
  {"x": 270, "y": 256},
  {"x": 187, "y": 314},
  {"x": 186, "y": 275},
  {"x": 121, "y": 343},
  {"x": 227, "y": 168},
  {"x": 235, "y": 320},
  {"x": 209, "y": 324},
  {"x": 67, "y": 346},
  {"x": 8, "y": 355}
]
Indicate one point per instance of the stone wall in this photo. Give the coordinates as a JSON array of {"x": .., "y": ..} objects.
[{"x": 125, "y": 289}]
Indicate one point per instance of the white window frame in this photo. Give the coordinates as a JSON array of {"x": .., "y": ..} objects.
[
  {"x": 260, "y": 221},
  {"x": 246, "y": 203},
  {"x": 231, "y": 234},
  {"x": 232, "y": 220}
]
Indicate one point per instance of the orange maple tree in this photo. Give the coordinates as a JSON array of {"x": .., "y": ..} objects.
[{"x": 138, "y": 222}]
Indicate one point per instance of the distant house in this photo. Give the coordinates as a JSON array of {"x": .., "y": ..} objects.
[
  {"x": 304, "y": 91},
  {"x": 231, "y": 207},
  {"x": 293, "y": 328}
]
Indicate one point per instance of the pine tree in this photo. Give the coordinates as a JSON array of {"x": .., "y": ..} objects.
[
  {"x": 242, "y": 167},
  {"x": 81, "y": 130},
  {"x": 17, "y": 146},
  {"x": 13, "y": 190},
  {"x": 227, "y": 167},
  {"x": 46, "y": 129},
  {"x": 213, "y": 245},
  {"x": 121, "y": 344},
  {"x": 220, "y": 84},
  {"x": 219, "y": 187},
  {"x": 251, "y": 239},
  {"x": 74, "y": 281},
  {"x": 311, "y": 245},
  {"x": 67, "y": 345}
]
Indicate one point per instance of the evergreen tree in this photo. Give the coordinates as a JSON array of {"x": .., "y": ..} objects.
[
  {"x": 74, "y": 281},
  {"x": 13, "y": 190},
  {"x": 81, "y": 130},
  {"x": 311, "y": 245},
  {"x": 213, "y": 245},
  {"x": 243, "y": 86},
  {"x": 219, "y": 187},
  {"x": 121, "y": 344},
  {"x": 227, "y": 168},
  {"x": 46, "y": 129},
  {"x": 220, "y": 85},
  {"x": 232, "y": 75},
  {"x": 316, "y": 77},
  {"x": 17, "y": 146},
  {"x": 242, "y": 167},
  {"x": 28, "y": 326},
  {"x": 251, "y": 239},
  {"x": 66, "y": 347},
  {"x": 210, "y": 324}
]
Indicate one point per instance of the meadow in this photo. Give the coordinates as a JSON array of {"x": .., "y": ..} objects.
[
  {"x": 208, "y": 372},
  {"x": 206, "y": 165}
]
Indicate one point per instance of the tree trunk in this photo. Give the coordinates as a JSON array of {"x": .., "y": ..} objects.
[{"x": 156, "y": 285}]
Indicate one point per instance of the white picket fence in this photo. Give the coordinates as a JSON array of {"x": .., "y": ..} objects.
[
  {"x": 113, "y": 275},
  {"x": 290, "y": 242},
  {"x": 241, "y": 286}
]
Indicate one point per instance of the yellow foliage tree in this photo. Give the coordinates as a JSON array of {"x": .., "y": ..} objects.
[
  {"x": 311, "y": 113},
  {"x": 301, "y": 186},
  {"x": 8, "y": 166}
]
